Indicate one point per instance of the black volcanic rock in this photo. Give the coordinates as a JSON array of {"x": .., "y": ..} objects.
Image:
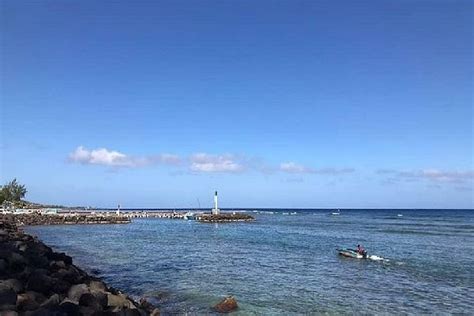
[
  {"x": 7, "y": 296},
  {"x": 40, "y": 282},
  {"x": 35, "y": 280},
  {"x": 89, "y": 300}
]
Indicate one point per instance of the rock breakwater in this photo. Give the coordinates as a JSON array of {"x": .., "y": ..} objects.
[
  {"x": 65, "y": 219},
  {"x": 225, "y": 217},
  {"x": 35, "y": 280}
]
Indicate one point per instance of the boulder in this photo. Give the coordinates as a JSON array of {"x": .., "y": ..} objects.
[
  {"x": 70, "y": 275},
  {"x": 97, "y": 286},
  {"x": 89, "y": 311},
  {"x": 7, "y": 296},
  {"x": 20, "y": 245},
  {"x": 131, "y": 312},
  {"x": 60, "y": 256},
  {"x": 3, "y": 266},
  {"x": 101, "y": 298},
  {"x": 119, "y": 301},
  {"x": 13, "y": 284},
  {"x": 43, "y": 311},
  {"x": 24, "y": 274},
  {"x": 7, "y": 308},
  {"x": 73, "y": 275},
  {"x": 56, "y": 265},
  {"x": 27, "y": 302},
  {"x": 147, "y": 306},
  {"x": 53, "y": 300},
  {"x": 39, "y": 281},
  {"x": 76, "y": 291},
  {"x": 227, "y": 305},
  {"x": 68, "y": 307},
  {"x": 17, "y": 261},
  {"x": 89, "y": 300},
  {"x": 60, "y": 286}
]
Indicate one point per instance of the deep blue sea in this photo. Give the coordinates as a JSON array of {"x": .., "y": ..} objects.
[{"x": 286, "y": 263}]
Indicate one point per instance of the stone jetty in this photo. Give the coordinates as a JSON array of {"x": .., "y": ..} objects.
[
  {"x": 35, "y": 280},
  {"x": 66, "y": 219},
  {"x": 225, "y": 218}
]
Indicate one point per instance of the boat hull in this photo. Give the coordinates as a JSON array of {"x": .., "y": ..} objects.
[{"x": 350, "y": 254}]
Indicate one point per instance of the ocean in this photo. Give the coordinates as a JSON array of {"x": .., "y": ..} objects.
[{"x": 286, "y": 262}]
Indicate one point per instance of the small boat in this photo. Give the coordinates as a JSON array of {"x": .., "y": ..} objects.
[
  {"x": 189, "y": 216},
  {"x": 352, "y": 253}
]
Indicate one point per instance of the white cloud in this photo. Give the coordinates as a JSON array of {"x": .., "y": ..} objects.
[
  {"x": 292, "y": 167},
  {"x": 112, "y": 158},
  {"x": 433, "y": 175},
  {"x": 169, "y": 159},
  {"x": 101, "y": 156},
  {"x": 198, "y": 162},
  {"x": 334, "y": 171},
  {"x": 203, "y": 162}
]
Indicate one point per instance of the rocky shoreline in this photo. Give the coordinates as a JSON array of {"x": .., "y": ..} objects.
[{"x": 35, "y": 280}]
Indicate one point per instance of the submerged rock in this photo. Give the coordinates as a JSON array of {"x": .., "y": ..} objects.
[{"x": 227, "y": 305}]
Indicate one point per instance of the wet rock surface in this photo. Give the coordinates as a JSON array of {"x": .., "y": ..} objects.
[
  {"x": 227, "y": 305},
  {"x": 35, "y": 280}
]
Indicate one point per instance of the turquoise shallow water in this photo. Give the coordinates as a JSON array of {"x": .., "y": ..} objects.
[{"x": 286, "y": 263}]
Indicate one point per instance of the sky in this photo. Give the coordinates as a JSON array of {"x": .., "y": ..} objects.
[{"x": 296, "y": 104}]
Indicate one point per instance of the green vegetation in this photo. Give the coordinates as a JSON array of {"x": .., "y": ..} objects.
[{"x": 12, "y": 192}]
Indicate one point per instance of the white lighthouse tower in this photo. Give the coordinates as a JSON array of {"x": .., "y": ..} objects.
[{"x": 215, "y": 210}]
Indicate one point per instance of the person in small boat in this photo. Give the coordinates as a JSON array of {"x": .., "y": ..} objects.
[{"x": 361, "y": 250}]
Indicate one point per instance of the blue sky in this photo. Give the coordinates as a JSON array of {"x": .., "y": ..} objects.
[{"x": 273, "y": 103}]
